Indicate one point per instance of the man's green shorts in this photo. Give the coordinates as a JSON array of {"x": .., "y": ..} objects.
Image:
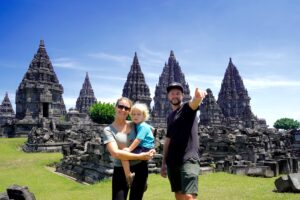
[{"x": 184, "y": 178}]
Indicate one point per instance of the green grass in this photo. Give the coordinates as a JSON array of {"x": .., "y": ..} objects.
[{"x": 17, "y": 167}]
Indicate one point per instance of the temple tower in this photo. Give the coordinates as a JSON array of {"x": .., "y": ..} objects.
[
  {"x": 211, "y": 114},
  {"x": 7, "y": 113},
  {"x": 162, "y": 107},
  {"x": 135, "y": 87},
  {"x": 86, "y": 97},
  {"x": 233, "y": 98},
  {"x": 39, "y": 93}
]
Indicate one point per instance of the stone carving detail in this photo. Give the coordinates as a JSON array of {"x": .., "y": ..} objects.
[
  {"x": 40, "y": 94},
  {"x": 135, "y": 87},
  {"x": 86, "y": 97},
  {"x": 171, "y": 72}
]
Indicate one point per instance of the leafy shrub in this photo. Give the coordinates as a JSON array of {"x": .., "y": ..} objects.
[
  {"x": 286, "y": 123},
  {"x": 102, "y": 113}
]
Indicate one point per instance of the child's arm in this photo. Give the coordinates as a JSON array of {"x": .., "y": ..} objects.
[{"x": 133, "y": 145}]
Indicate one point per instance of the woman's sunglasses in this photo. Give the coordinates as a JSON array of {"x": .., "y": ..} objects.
[{"x": 121, "y": 107}]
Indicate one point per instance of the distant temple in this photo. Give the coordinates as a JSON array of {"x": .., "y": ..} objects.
[
  {"x": 234, "y": 100},
  {"x": 171, "y": 72},
  {"x": 211, "y": 113},
  {"x": 135, "y": 87},
  {"x": 40, "y": 94},
  {"x": 7, "y": 113},
  {"x": 86, "y": 97}
]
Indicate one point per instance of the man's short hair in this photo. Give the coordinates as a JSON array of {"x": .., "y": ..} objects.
[{"x": 174, "y": 85}]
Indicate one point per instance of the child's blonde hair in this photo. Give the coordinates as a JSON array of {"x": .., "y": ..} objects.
[{"x": 141, "y": 107}]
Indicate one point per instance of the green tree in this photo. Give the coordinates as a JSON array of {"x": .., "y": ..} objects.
[
  {"x": 286, "y": 123},
  {"x": 102, "y": 113}
]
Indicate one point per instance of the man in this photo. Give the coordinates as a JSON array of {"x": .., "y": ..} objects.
[{"x": 181, "y": 157}]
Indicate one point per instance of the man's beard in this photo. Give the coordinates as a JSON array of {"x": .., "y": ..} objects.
[{"x": 175, "y": 103}]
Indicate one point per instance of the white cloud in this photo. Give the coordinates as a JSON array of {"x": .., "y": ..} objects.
[
  {"x": 111, "y": 57},
  {"x": 107, "y": 77},
  {"x": 67, "y": 63},
  {"x": 70, "y": 102},
  {"x": 270, "y": 82},
  {"x": 151, "y": 58}
]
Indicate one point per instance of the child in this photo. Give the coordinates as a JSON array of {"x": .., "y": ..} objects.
[{"x": 144, "y": 140}]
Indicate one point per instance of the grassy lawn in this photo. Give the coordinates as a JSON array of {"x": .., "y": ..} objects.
[{"x": 29, "y": 169}]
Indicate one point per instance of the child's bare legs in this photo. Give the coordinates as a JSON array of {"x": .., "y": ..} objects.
[{"x": 126, "y": 168}]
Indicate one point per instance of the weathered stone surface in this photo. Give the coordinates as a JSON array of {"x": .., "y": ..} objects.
[
  {"x": 135, "y": 87},
  {"x": 282, "y": 184},
  {"x": 288, "y": 183},
  {"x": 16, "y": 192},
  {"x": 86, "y": 97},
  {"x": 295, "y": 181}
]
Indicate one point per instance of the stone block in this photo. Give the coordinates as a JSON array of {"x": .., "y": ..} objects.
[
  {"x": 19, "y": 193},
  {"x": 206, "y": 170},
  {"x": 238, "y": 169},
  {"x": 262, "y": 171},
  {"x": 282, "y": 184},
  {"x": 294, "y": 180}
]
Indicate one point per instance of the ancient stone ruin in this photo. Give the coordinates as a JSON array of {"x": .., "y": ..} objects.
[
  {"x": 135, "y": 87},
  {"x": 40, "y": 94},
  {"x": 288, "y": 183},
  {"x": 86, "y": 97},
  {"x": 16, "y": 192},
  {"x": 171, "y": 72},
  {"x": 7, "y": 117}
]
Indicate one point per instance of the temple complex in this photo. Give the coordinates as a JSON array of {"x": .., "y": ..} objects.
[
  {"x": 162, "y": 107},
  {"x": 135, "y": 87},
  {"x": 86, "y": 97},
  {"x": 40, "y": 94}
]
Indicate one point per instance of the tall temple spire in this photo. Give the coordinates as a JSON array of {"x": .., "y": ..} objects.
[
  {"x": 233, "y": 97},
  {"x": 171, "y": 72},
  {"x": 39, "y": 93},
  {"x": 135, "y": 87},
  {"x": 86, "y": 97}
]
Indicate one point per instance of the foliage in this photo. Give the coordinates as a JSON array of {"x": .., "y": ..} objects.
[
  {"x": 102, "y": 113},
  {"x": 286, "y": 123}
]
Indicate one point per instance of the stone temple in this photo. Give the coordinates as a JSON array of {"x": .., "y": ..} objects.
[
  {"x": 234, "y": 100},
  {"x": 171, "y": 72},
  {"x": 7, "y": 113},
  {"x": 40, "y": 93},
  {"x": 135, "y": 87},
  {"x": 86, "y": 97},
  {"x": 211, "y": 113}
]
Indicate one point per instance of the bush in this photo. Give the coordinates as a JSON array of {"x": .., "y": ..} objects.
[
  {"x": 286, "y": 123},
  {"x": 102, "y": 113}
]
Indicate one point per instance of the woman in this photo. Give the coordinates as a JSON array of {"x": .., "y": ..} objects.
[{"x": 123, "y": 132}]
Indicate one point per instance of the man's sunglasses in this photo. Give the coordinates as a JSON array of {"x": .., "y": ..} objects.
[{"x": 121, "y": 107}]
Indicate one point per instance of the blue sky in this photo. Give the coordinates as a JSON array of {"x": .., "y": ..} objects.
[{"x": 100, "y": 37}]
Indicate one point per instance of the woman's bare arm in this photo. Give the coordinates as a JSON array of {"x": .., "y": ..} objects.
[{"x": 117, "y": 153}]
